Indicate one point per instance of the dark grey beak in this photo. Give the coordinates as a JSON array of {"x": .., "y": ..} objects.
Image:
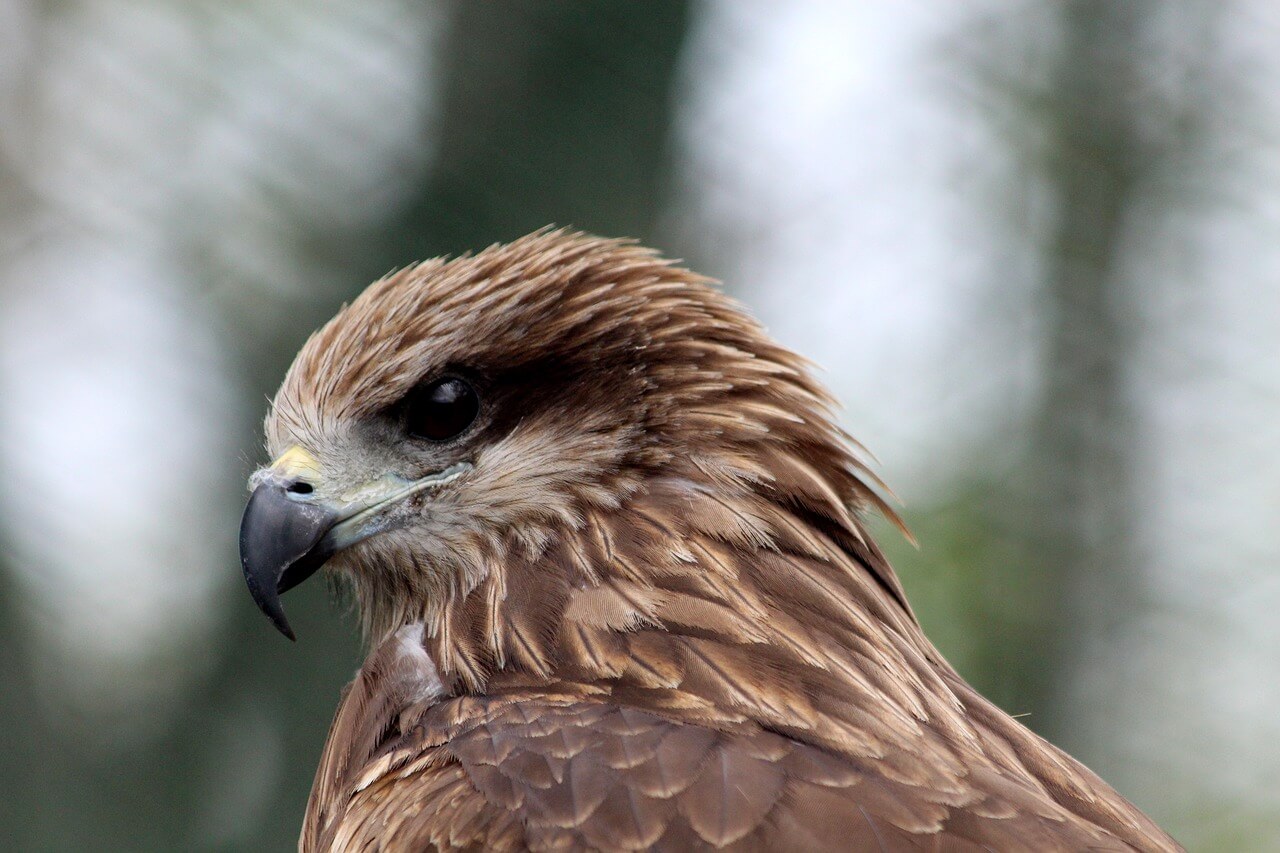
[{"x": 281, "y": 545}]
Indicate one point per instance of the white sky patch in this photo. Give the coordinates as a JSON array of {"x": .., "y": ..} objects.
[
  {"x": 113, "y": 451},
  {"x": 835, "y": 162}
]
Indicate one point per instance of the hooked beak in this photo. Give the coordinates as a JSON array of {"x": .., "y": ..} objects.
[{"x": 288, "y": 531}]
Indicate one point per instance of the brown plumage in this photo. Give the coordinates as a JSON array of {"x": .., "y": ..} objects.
[{"x": 642, "y": 611}]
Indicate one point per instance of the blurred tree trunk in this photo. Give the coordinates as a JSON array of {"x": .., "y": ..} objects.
[
  {"x": 1083, "y": 437},
  {"x": 18, "y": 720},
  {"x": 552, "y": 113},
  {"x": 1108, "y": 131}
]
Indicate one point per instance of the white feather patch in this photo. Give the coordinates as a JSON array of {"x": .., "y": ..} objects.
[{"x": 413, "y": 673}]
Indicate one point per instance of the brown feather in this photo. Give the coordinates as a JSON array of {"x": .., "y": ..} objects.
[{"x": 650, "y": 615}]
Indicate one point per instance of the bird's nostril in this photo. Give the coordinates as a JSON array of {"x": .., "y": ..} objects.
[{"x": 299, "y": 487}]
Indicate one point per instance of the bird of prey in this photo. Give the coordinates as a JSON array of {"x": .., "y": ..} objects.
[{"x": 609, "y": 552}]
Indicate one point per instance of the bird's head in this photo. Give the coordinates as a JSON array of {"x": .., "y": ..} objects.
[{"x": 466, "y": 413}]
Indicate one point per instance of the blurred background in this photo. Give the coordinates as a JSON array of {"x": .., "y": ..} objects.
[{"x": 1034, "y": 247}]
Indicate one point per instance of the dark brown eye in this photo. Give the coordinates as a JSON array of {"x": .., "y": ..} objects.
[{"x": 441, "y": 410}]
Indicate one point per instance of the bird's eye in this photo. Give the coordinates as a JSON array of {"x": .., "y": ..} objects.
[{"x": 442, "y": 410}]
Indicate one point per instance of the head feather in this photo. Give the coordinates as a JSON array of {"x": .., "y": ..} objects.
[{"x": 666, "y": 427}]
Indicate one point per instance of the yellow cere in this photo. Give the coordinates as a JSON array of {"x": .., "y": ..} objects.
[{"x": 297, "y": 462}]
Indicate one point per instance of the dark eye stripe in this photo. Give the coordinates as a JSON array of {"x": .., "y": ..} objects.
[{"x": 442, "y": 410}]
